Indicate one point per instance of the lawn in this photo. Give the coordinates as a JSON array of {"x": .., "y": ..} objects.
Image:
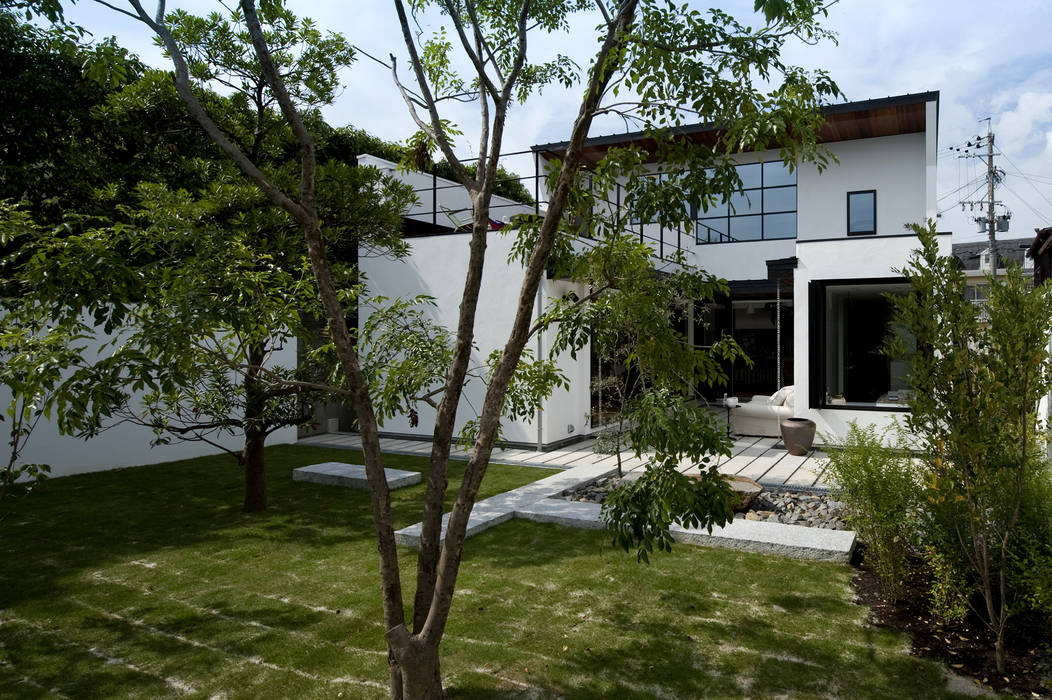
[{"x": 150, "y": 582}]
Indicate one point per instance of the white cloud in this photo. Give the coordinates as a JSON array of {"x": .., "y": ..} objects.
[{"x": 984, "y": 60}]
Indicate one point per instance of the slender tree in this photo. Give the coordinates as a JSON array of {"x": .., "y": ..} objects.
[
  {"x": 670, "y": 58},
  {"x": 977, "y": 384}
]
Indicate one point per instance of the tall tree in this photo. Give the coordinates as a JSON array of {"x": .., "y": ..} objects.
[
  {"x": 51, "y": 140},
  {"x": 672, "y": 58},
  {"x": 202, "y": 281}
]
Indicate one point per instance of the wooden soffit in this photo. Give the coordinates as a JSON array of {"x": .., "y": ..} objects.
[{"x": 890, "y": 116}]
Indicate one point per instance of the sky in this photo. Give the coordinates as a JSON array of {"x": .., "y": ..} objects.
[{"x": 986, "y": 61}]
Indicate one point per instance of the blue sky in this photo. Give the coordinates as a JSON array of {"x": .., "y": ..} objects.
[{"x": 986, "y": 61}]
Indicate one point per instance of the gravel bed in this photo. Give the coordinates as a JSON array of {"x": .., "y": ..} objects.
[{"x": 809, "y": 509}]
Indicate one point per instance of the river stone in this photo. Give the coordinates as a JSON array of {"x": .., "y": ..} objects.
[{"x": 746, "y": 490}]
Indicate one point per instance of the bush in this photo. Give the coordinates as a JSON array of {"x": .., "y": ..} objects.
[
  {"x": 1031, "y": 569},
  {"x": 879, "y": 486}
]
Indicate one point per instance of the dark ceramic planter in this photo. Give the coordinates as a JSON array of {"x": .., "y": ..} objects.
[{"x": 798, "y": 434}]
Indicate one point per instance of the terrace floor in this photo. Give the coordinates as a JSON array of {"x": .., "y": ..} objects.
[{"x": 762, "y": 459}]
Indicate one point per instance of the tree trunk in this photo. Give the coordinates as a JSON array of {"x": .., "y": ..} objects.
[
  {"x": 415, "y": 671},
  {"x": 255, "y": 436},
  {"x": 255, "y": 472},
  {"x": 999, "y": 650}
]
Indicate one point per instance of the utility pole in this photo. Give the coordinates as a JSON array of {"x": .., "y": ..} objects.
[
  {"x": 988, "y": 219},
  {"x": 991, "y": 221}
]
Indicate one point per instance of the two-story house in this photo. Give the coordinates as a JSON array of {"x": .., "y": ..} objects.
[{"x": 809, "y": 257}]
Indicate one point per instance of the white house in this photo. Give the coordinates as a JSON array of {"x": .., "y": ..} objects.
[{"x": 809, "y": 256}]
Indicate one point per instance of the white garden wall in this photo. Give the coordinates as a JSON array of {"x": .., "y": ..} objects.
[{"x": 123, "y": 445}]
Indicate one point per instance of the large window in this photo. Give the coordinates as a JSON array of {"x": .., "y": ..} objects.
[
  {"x": 764, "y": 207},
  {"x": 861, "y": 213},
  {"x": 757, "y": 323},
  {"x": 851, "y": 322}
]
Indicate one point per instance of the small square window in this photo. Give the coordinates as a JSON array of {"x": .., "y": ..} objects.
[{"x": 861, "y": 212}]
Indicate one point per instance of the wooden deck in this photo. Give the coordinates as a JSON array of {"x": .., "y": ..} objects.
[{"x": 761, "y": 459}]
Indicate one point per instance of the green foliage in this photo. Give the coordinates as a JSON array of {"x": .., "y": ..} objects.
[
  {"x": 630, "y": 318},
  {"x": 1031, "y": 561},
  {"x": 52, "y": 141},
  {"x": 218, "y": 51},
  {"x": 977, "y": 386},
  {"x": 640, "y": 514},
  {"x": 670, "y": 79},
  {"x": 951, "y": 592},
  {"x": 403, "y": 354},
  {"x": 879, "y": 483},
  {"x": 533, "y": 382}
]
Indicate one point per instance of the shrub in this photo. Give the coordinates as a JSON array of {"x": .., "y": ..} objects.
[
  {"x": 1031, "y": 567},
  {"x": 879, "y": 486},
  {"x": 976, "y": 384}
]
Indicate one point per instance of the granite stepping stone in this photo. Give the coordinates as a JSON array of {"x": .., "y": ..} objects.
[{"x": 352, "y": 475}]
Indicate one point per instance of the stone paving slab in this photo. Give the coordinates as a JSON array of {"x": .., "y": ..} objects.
[
  {"x": 794, "y": 541},
  {"x": 503, "y": 507},
  {"x": 808, "y": 473},
  {"x": 571, "y": 513},
  {"x": 351, "y": 475},
  {"x": 759, "y": 467},
  {"x": 782, "y": 470},
  {"x": 742, "y": 460}
]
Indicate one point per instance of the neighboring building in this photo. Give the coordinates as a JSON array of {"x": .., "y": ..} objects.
[
  {"x": 975, "y": 260},
  {"x": 1040, "y": 254},
  {"x": 809, "y": 257}
]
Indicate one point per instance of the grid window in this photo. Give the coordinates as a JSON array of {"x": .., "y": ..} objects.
[{"x": 764, "y": 207}]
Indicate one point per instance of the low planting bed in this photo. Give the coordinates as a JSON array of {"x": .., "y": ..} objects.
[{"x": 789, "y": 507}]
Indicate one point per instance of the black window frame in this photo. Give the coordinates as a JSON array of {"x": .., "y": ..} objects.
[
  {"x": 871, "y": 232},
  {"x": 699, "y": 218},
  {"x": 817, "y": 356}
]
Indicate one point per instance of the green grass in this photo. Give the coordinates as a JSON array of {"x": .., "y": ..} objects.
[{"x": 150, "y": 582}]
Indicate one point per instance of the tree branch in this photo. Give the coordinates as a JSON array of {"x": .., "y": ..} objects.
[
  {"x": 288, "y": 108},
  {"x": 437, "y": 132},
  {"x": 465, "y": 41},
  {"x": 591, "y": 296},
  {"x": 183, "y": 87}
]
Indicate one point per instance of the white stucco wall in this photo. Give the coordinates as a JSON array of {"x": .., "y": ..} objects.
[
  {"x": 895, "y": 166},
  {"x": 847, "y": 258},
  {"x": 123, "y": 445},
  {"x": 437, "y": 267},
  {"x": 746, "y": 260}
]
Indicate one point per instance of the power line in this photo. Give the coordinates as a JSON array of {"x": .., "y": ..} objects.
[
  {"x": 1039, "y": 193},
  {"x": 1039, "y": 215},
  {"x": 950, "y": 194},
  {"x": 964, "y": 200}
]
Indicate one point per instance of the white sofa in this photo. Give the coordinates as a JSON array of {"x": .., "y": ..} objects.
[{"x": 761, "y": 414}]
